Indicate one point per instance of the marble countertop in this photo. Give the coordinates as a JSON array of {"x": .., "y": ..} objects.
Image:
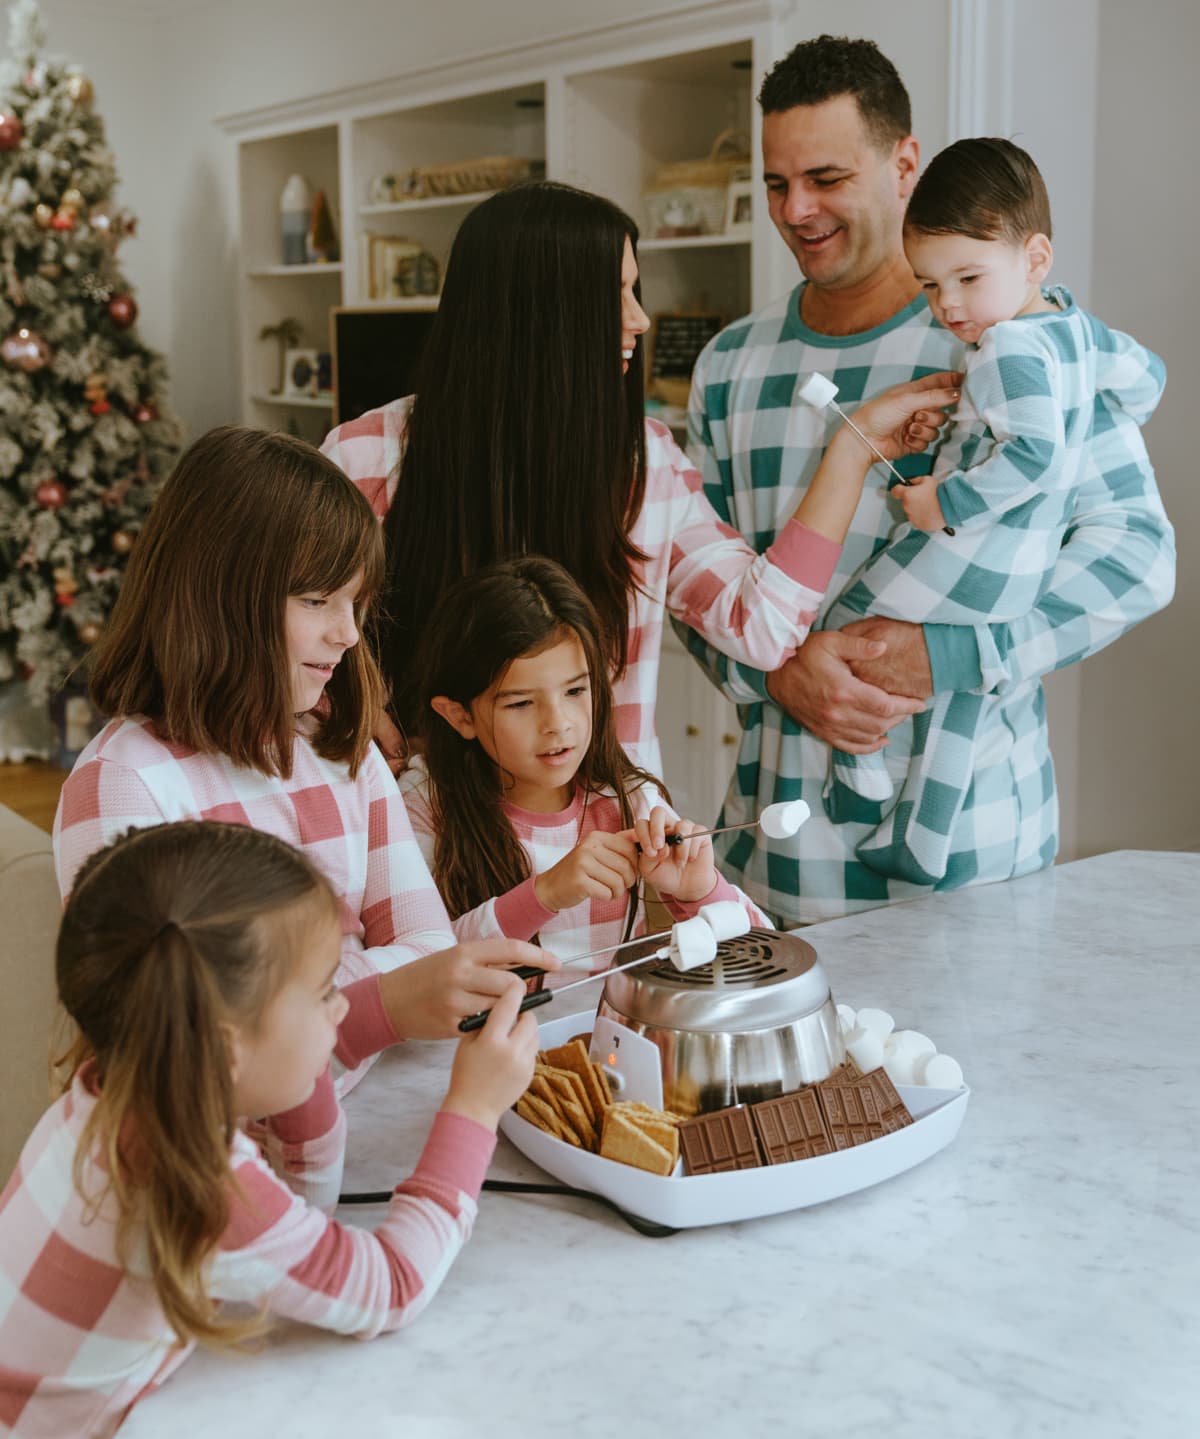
[{"x": 1039, "y": 1277}]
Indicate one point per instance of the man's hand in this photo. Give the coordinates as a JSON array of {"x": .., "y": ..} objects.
[
  {"x": 820, "y": 688},
  {"x": 902, "y": 668}
]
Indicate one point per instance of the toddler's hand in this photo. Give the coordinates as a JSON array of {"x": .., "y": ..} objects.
[
  {"x": 492, "y": 1067},
  {"x": 685, "y": 871},
  {"x": 601, "y": 866},
  {"x": 920, "y": 501}
]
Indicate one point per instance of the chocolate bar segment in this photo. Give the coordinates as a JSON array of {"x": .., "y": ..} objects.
[
  {"x": 720, "y": 1141},
  {"x": 893, "y": 1112},
  {"x": 851, "y": 1111},
  {"x": 792, "y": 1127}
]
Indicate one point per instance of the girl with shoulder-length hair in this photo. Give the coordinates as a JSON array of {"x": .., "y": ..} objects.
[
  {"x": 528, "y": 435},
  {"x": 196, "y": 964},
  {"x": 535, "y": 821},
  {"x": 239, "y": 690}
]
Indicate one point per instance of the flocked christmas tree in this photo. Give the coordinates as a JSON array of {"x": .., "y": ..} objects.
[{"x": 85, "y": 437}]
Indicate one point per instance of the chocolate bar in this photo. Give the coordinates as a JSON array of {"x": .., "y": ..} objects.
[
  {"x": 720, "y": 1141},
  {"x": 851, "y": 1110},
  {"x": 792, "y": 1127},
  {"x": 893, "y": 1112}
]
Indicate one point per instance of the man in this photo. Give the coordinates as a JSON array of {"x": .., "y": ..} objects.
[{"x": 839, "y": 165}]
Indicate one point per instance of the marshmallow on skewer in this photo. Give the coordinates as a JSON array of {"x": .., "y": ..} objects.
[
  {"x": 780, "y": 821},
  {"x": 817, "y": 391},
  {"x": 726, "y": 918},
  {"x": 693, "y": 943}
]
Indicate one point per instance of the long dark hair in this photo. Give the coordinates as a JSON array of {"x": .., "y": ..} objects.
[
  {"x": 524, "y": 437},
  {"x": 197, "y": 637},
  {"x": 170, "y": 933},
  {"x": 482, "y": 625}
]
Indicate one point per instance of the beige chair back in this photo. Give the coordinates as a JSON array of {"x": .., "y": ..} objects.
[{"x": 29, "y": 913}]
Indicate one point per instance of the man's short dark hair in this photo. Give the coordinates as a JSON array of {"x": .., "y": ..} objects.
[
  {"x": 832, "y": 65},
  {"x": 987, "y": 189}
]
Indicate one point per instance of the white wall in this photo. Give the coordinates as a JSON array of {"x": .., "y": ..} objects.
[{"x": 1118, "y": 157}]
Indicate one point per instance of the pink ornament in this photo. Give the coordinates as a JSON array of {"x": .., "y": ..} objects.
[
  {"x": 10, "y": 132},
  {"x": 25, "y": 350},
  {"x": 51, "y": 495}
]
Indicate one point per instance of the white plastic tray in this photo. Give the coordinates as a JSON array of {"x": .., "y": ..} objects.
[{"x": 686, "y": 1202}]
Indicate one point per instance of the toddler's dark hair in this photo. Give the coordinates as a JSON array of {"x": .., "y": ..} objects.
[{"x": 987, "y": 189}]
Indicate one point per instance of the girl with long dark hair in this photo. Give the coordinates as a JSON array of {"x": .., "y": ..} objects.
[
  {"x": 533, "y": 818},
  {"x": 528, "y": 436}
]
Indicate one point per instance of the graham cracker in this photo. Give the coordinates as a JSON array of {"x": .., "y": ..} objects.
[{"x": 627, "y": 1144}]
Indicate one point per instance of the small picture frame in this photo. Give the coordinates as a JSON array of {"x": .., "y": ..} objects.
[
  {"x": 739, "y": 202},
  {"x": 301, "y": 370}
]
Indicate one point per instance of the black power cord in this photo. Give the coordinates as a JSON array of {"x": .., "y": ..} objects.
[{"x": 505, "y": 1186}]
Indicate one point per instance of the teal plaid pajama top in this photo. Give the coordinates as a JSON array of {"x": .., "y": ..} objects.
[{"x": 757, "y": 449}]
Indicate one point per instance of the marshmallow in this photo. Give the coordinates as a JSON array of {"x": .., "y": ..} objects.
[
  {"x": 847, "y": 1019},
  {"x": 726, "y": 918},
  {"x": 693, "y": 943},
  {"x": 910, "y": 1042},
  {"x": 779, "y": 821},
  {"x": 817, "y": 391},
  {"x": 865, "y": 1048},
  {"x": 938, "y": 1071},
  {"x": 898, "y": 1066},
  {"x": 877, "y": 1019}
]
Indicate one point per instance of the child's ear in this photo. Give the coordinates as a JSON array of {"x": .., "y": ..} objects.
[
  {"x": 1039, "y": 254},
  {"x": 457, "y": 716}
]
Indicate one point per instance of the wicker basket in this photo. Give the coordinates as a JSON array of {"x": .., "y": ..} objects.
[
  {"x": 687, "y": 197},
  {"x": 468, "y": 177}
]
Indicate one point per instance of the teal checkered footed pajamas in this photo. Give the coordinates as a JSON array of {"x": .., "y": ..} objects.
[
  {"x": 757, "y": 449},
  {"x": 1008, "y": 475}
]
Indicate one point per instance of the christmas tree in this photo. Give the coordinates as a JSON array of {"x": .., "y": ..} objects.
[{"x": 85, "y": 437}]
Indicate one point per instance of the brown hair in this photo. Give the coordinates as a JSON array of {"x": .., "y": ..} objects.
[
  {"x": 481, "y": 626},
  {"x": 831, "y": 65},
  {"x": 987, "y": 189},
  {"x": 169, "y": 933},
  {"x": 196, "y": 640}
]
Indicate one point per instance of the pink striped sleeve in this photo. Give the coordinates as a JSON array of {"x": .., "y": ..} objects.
[
  {"x": 99, "y": 801},
  {"x": 755, "y": 608},
  {"x": 307, "y": 1146},
  {"x": 309, "y": 1268}
]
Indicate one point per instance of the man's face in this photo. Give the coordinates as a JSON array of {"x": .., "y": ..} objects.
[{"x": 836, "y": 198}]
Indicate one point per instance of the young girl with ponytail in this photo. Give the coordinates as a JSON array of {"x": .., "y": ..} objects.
[{"x": 197, "y": 964}]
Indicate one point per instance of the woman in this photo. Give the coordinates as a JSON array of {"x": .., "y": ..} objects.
[{"x": 529, "y": 437}]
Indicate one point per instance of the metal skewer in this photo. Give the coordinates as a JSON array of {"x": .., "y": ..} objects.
[{"x": 833, "y": 404}]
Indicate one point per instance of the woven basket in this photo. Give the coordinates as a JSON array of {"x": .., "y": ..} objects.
[
  {"x": 467, "y": 177},
  {"x": 730, "y": 149}
]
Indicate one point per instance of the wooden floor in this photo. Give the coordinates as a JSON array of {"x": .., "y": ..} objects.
[{"x": 32, "y": 790}]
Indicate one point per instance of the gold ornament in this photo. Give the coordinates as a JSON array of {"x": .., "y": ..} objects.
[
  {"x": 43, "y": 216},
  {"x": 89, "y": 633},
  {"x": 71, "y": 200},
  {"x": 80, "y": 89},
  {"x": 122, "y": 542}
]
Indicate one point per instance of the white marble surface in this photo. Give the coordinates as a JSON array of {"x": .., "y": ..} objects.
[{"x": 1040, "y": 1277}]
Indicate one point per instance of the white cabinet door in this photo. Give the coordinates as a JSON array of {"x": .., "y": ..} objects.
[{"x": 698, "y": 731}]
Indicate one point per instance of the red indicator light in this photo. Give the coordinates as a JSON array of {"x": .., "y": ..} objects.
[{"x": 612, "y": 1059}]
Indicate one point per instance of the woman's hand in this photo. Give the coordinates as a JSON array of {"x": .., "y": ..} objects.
[
  {"x": 427, "y": 998},
  {"x": 906, "y": 419},
  {"x": 492, "y": 1067},
  {"x": 685, "y": 871},
  {"x": 601, "y": 866}
]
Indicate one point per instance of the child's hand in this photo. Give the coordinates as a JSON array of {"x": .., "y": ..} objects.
[
  {"x": 601, "y": 866},
  {"x": 492, "y": 1067},
  {"x": 920, "y": 501},
  {"x": 685, "y": 871},
  {"x": 427, "y": 998},
  {"x": 906, "y": 418}
]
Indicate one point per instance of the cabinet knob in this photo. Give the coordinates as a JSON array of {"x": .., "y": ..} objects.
[
  {"x": 729, "y": 739},
  {"x": 692, "y": 730}
]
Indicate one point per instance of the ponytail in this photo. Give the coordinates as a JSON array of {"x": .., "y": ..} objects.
[{"x": 162, "y": 947}]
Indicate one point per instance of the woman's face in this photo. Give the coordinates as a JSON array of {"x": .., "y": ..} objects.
[{"x": 634, "y": 321}]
